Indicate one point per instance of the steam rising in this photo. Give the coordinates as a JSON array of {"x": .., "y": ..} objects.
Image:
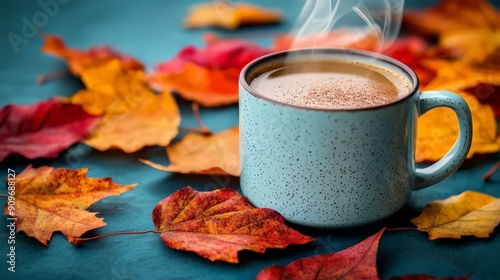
[{"x": 380, "y": 18}]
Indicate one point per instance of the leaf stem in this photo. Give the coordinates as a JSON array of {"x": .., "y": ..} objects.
[
  {"x": 490, "y": 173},
  {"x": 401, "y": 228},
  {"x": 116, "y": 233},
  {"x": 196, "y": 129},
  {"x": 202, "y": 129},
  {"x": 42, "y": 78}
]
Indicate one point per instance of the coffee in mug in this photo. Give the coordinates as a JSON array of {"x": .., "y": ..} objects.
[{"x": 330, "y": 84}]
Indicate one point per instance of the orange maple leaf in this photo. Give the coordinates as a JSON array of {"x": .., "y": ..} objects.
[
  {"x": 207, "y": 87},
  {"x": 217, "y": 225},
  {"x": 49, "y": 200},
  {"x": 470, "y": 213},
  {"x": 225, "y": 15},
  {"x": 204, "y": 154},
  {"x": 78, "y": 60},
  {"x": 134, "y": 116}
]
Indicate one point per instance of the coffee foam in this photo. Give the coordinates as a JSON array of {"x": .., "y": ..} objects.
[{"x": 341, "y": 88}]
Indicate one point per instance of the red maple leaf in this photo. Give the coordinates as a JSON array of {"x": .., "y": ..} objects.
[
  {"x": 217, "y": 225},
  {"x": 218, "y": 54},
  {"x": 356, "y": 262},
  {"x": 43, "y": 129}
]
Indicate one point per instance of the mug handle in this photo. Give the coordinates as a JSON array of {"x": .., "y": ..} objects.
[{"x": 451, "y": 161}]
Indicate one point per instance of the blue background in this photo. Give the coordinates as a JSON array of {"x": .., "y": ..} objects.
[{"x": 152, "y": 32}]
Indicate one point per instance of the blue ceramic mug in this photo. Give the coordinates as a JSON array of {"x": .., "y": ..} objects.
[{"x": 339, "y": 168}]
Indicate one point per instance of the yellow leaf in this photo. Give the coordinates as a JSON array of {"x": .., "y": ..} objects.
[
  {"x": 224, "y": 15},
  {"x": 134, "y": 116},
  {"x": 470, "y": 213},
  {"x": 457, "y": 75},
  {"x": 49, "y": 200},
  {"x": 204, "y": 154},
  {"x": 479, "y": 45},
  {"x": 437, "y": 131}
]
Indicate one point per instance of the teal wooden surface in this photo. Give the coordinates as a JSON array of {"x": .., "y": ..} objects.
[{"x": 151, "y": 31}]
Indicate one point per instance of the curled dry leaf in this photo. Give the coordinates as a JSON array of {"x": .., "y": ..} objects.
[
  {"x": 49, "y": 200},
  {"x": 356, "y": 262},
  {"x": 208, "y": 76},
  {"x": 43, "y": 129},
  {"x": 470, "y": 213},
  {"x": 342, "y": 38},
  {"x": 453, "y": 15},
  {"x": 229, "y": 16},
  {"x": 437, "y": 131},
  {"x": 204, "y": 154},
  {"x": 217, "y": 225},
  {"x": 78, "y": 60},
  {"x": 133, "y": 115}
]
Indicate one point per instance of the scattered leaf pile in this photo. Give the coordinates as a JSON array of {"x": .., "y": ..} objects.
[{"x": 119, "y": 109}]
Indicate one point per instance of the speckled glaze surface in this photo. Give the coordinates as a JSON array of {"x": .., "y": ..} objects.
[{"x": 338, "y": 168}]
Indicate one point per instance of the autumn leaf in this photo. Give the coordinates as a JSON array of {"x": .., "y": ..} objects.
[
  {"x": 78, "y": 60},
  {"x": 459, "y": 75},
  {"x": 204, "y": 154},
  {"x": 470, "y": 213},
  {"x": 429, "y": 277},
  {"x": 356, "y": 262},
  {"x": 437, "y": 131},
  {"x": 229, "y": 16},
  {"x": 217, "y": 225},
  {"x": 49, "y": 200},
  {"x": 218, "y": 54},
  {"x": 208, "y": 76},
  {"x": 43, "y": 129},
  {"x": 474, "y": 46},
  {"x": 451, "y": 15},
  {"x": 134, "y": 116},
  {"x": 342, "y": 38},
  {"x": 412, "y": 51},
  {"x": 488, "y": 94}
]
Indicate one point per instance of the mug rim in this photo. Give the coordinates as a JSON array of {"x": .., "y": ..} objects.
[{"x": 369, "y": 54}]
